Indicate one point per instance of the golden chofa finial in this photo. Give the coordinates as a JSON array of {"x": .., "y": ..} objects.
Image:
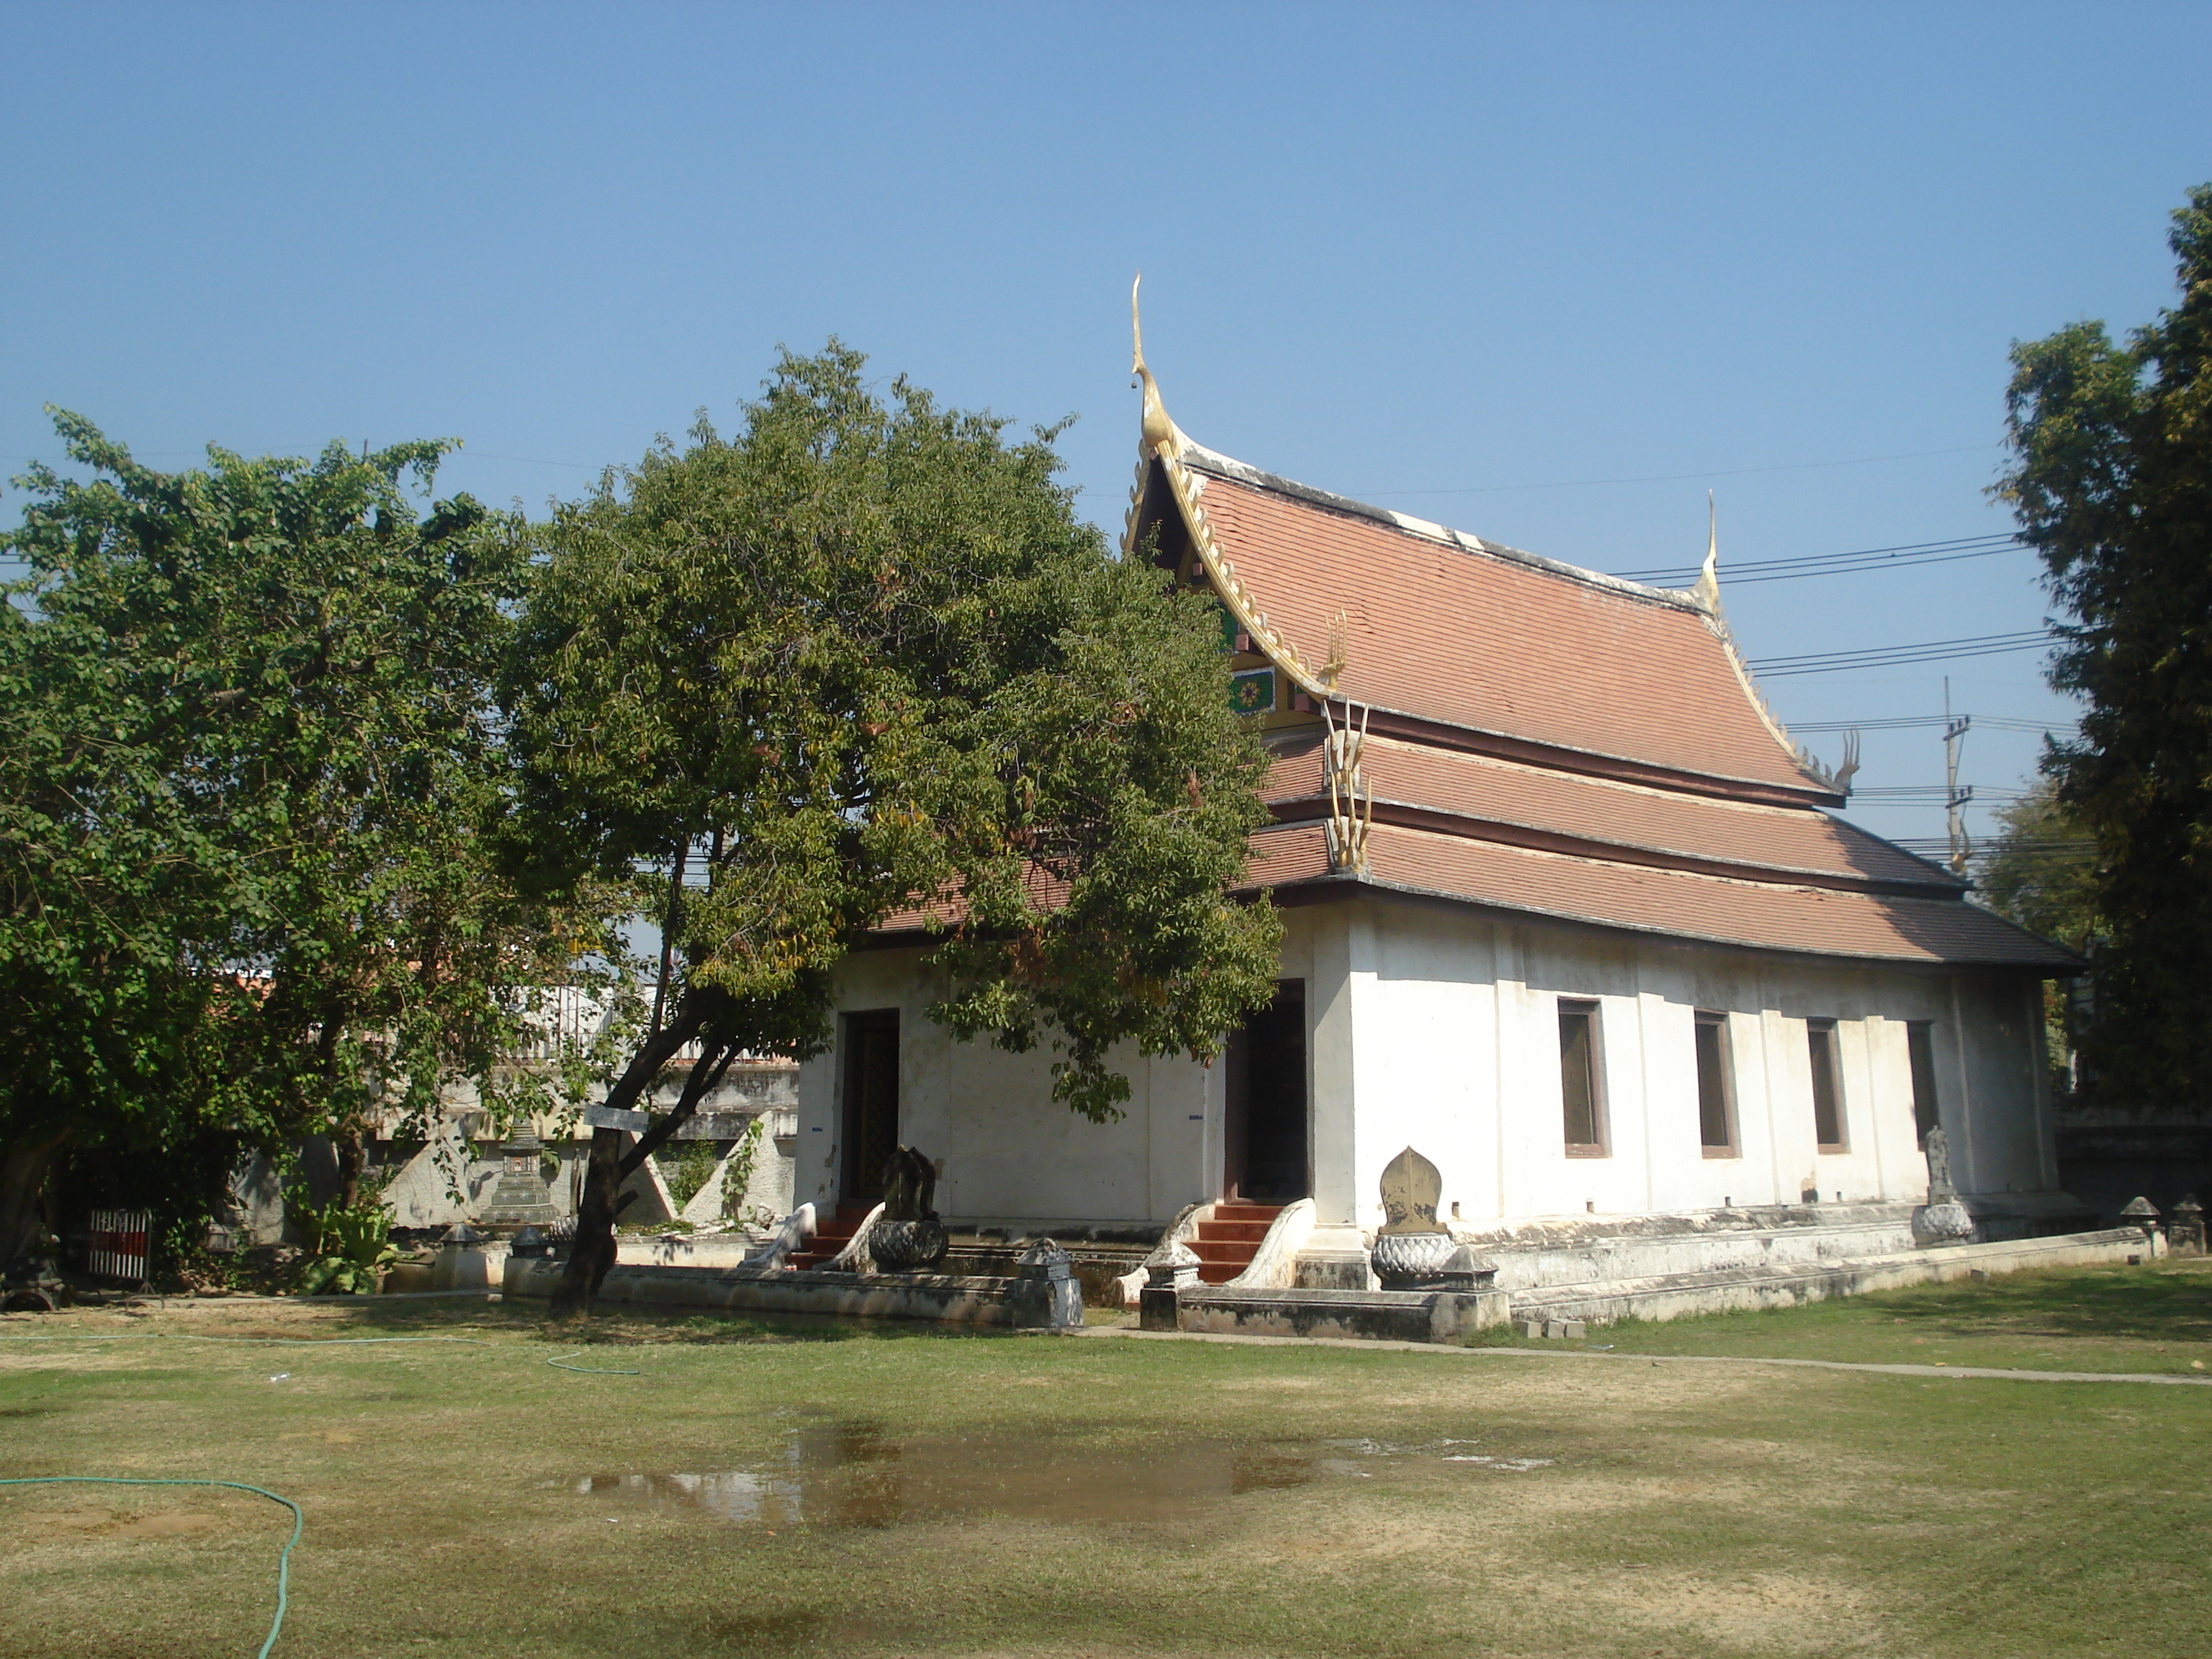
[
  {"x": 1708, "y": 589},
  {"x": 1161, "y": 435},
  {"x": 1339, "y": 650}
]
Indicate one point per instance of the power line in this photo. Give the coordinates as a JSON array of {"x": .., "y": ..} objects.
[
  {"x": 1994, "y": 722},
  {"x": 1938, "y": 846},
  {"x": 1897, "y": 656},
  {"x": 1838, "y": 564},
  {"x": 1930, "y": 792},
  {"x": 1674, "y": 477}
]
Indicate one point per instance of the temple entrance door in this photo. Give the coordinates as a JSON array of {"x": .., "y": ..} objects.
[
  {"x": 871, "y": 1106},
  {"x": 1265, "y": 1158}
]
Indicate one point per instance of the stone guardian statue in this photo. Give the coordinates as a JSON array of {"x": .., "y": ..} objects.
[{"x": 1943, "y": 1220}]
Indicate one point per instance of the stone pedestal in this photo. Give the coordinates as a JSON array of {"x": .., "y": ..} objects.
[
  {"x": 461, "y": 1263},
  {"x": 1946, "y": 1221},
  {"x": 1334, "y": 1259},
  {"x": 1046, "y": 1286},
  {"x": 1165, "y": 1280},
  {"x": 2184, "y": 1231},
  {"x": 908, "y": 1247},
  {"x": 1411, "y": 1260}
]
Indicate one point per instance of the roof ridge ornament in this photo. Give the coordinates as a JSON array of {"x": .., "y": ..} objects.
[
  {"x": 1708, "y": 589},
  {"x": 1161, "y": 435},
  {"x": 1351, "y": 797},
  {"x": 1707, "y": 593},
  {"x": 1340, "y": 648},
  {"x": 1163, "y": 441}
]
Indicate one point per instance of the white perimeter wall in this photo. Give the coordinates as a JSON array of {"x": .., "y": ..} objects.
[{"x": 1439, "y": 1029}]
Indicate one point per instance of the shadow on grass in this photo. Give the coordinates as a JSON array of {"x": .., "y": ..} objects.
[{"x": 630, "y": 1326}]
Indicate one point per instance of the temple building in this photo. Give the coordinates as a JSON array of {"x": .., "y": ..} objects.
[{"x": 1566, "y": 909}]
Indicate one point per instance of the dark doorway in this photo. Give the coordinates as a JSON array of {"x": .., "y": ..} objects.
[
  {"x": 870, "y": 1053},
  {"x": 1265, "y": 1124}
]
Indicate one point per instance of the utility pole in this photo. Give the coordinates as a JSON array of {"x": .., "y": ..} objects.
[{"x": 1955, "y": 798}]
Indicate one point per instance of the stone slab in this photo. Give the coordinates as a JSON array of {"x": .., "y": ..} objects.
[
  {"x": 1379, "y": 1315},
  {"x": 1022, "y": 1304},
  {"x": 1332, "y": 1270}
]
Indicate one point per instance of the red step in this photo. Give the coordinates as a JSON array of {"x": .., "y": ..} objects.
[
  {"x": 1225, "y": 1245},
  {"x": 830, "y": 1236}
]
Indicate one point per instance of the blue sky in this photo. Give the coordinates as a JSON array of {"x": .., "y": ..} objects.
[{"x": 1473, "y": 263}]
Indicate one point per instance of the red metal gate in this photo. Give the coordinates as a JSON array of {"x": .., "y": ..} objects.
[{"x": 119, "y": 1245}]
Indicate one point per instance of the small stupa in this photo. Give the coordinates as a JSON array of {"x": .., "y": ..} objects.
[{"x": 518, "y": 1199}]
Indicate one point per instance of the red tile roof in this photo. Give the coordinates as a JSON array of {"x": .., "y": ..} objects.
[
  {"x": 1480, "y": 637},
  {"x": 1678, "y": 904},
  {"x": 1545, "y": 741},
  {"x": 1507, "y": 799}
]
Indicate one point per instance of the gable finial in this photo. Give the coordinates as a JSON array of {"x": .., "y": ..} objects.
[
  {"x": 1158, "y": 430},
  {"x": 1709, "y": 579}
]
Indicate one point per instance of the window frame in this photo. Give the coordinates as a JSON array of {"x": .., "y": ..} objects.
[
  {"x": 1588, "y": 1010},
  {"x": 1704, "y": 1020},
  {"x": 1821, "y": 1040}
]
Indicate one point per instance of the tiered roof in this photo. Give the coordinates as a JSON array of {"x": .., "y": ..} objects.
[{"x": 1541, "y": 740}]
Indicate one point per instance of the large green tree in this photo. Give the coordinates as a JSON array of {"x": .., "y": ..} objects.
[
  {"x": 2040, "y": 869},
  {"x": 253, "y": 774},
  {"x": 862, "y": 658},
  {"x": 2112, "y": 483}
]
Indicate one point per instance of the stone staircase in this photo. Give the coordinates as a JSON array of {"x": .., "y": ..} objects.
[
  {"x": 832, "y": 1234},
  {"x": 1225, "y": 1245}
]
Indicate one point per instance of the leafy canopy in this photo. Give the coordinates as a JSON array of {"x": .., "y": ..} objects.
[
  {"x": 2112, "y": 483},
  {"x": 2041, "y": 869},
  {"x": 860, "y": 665},
  {"x": 251, "y": 763}
]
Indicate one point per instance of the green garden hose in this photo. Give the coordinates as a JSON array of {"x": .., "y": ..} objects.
[
  {"x": 588, "y": 1370},
  {"x": 283, "y": 1556},
  {"x": 307, "y": 1342}
]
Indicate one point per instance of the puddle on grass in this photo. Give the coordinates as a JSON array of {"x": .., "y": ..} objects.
[{"x": 856, "y": 1475}]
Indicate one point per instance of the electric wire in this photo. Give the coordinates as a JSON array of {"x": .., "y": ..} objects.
[
  {"x": 1670, "y": 477},
  {"x": 1898, "y": 656},
  {"x": 283, "y": 1556},
  {"x": 1976, "y": 722},
  {"x": 1903, "y": 556}
]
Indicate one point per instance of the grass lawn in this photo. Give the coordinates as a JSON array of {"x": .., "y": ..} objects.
[{"x": 761, "y": 1490}]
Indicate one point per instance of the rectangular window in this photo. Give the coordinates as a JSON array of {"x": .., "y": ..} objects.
[
  {"x": 1581, "y": 1083},
  {"x": 1715, "y": 1093},
  {"x": 1827, "y": 1085},
  {"x": 1920, "y": 1041}
]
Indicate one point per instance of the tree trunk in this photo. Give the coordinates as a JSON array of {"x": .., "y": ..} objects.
[
  {"x": 593, "y": 1252},
  {"x": 352, "y": 1149},
  {"x": 22, "y": 1184}
]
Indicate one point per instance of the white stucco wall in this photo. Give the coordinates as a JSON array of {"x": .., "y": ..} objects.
[{"x": 1437, "y": 1028}]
